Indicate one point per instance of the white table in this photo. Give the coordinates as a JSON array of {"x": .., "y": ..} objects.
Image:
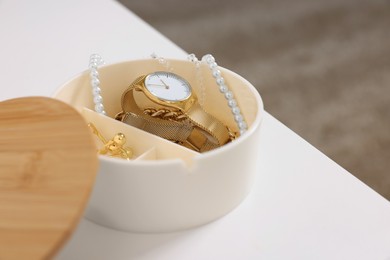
[{"x": 303, "y": 206}]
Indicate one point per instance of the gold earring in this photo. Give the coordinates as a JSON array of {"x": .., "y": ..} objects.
[{"x": 115, "y": 146}]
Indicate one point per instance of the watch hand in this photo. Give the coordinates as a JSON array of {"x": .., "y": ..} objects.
[{"x": 166, "y": 86}]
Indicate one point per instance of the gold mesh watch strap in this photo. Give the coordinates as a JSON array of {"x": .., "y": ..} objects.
[
  {"x": 128, "y": 101},
  {"x": 200, "y": 140},
  {"x": 215, "y": 129},
  {"x": 170, "y": 130}
]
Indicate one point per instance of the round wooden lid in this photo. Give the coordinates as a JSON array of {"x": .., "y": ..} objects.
[{"x": 48, "y": 165}]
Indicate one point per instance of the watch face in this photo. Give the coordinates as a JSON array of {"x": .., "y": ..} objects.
[{"x": 168, "y": 86}]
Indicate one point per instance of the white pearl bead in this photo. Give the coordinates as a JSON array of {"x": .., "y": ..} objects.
[
  {"x": 95, "y": 82},
  {"x": 242, "y": 125},
  {"x": 93, "y": 65},
  {"x": 213, "y": 65},
  {"x": 236, "y": 110},
  {"x": 223, "y": 89},
  {"x": 229, "y": 95},
  {"x": 232, "y": 103},
  {"x": 220, "y": 81},
  {"x": 99, "y": 108},
  {"x": 192, "y": 57},
  {"x": 94, "y": 73},
  {"x": 210, "y": 59},
  {"x": 216, "y": 73},
  {"x": 238, "y": 118},
  {"x": 242, "y": 131},
  {"x": 98, "y": 99},
  {"x": 96, "y": 91}
]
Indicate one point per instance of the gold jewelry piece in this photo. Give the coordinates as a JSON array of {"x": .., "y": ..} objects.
[
  {"x": 165, "y": 114},
  {"x": 114, "y": 147},
  {"x": 196, "y": 128}
]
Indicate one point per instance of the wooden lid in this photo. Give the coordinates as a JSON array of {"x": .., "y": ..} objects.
[{"x": 48, "y": 165}]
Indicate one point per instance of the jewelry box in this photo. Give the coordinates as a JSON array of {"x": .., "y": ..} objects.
[{"x": 167, "y": 187}]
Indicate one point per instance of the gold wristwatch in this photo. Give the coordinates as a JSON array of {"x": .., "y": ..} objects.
[{"x": 175, "y": 115}]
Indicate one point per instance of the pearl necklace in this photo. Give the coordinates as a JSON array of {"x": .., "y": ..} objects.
[
  {"x": 95, "y": 61},
  {"x": 223, "y": 88}
]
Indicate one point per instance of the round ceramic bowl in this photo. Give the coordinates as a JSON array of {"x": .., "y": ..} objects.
[{"x": 167, "y": 187}]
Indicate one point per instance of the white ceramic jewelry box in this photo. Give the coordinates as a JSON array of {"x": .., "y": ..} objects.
[{"x": 167, "y": 187}]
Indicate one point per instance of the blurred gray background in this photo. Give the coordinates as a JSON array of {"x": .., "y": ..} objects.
[{"x": 322, "y": 67}]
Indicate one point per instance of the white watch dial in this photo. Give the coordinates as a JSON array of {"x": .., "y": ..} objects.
[{"x": 168, "y": 86}]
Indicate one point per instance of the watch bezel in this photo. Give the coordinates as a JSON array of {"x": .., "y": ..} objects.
[{"x": 183, "y": 104}]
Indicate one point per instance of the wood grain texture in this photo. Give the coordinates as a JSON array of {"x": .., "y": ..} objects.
[{"x": 48, "y": 165}]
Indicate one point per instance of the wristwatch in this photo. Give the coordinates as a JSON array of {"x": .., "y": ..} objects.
[{"x": 174, "y": 112}]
